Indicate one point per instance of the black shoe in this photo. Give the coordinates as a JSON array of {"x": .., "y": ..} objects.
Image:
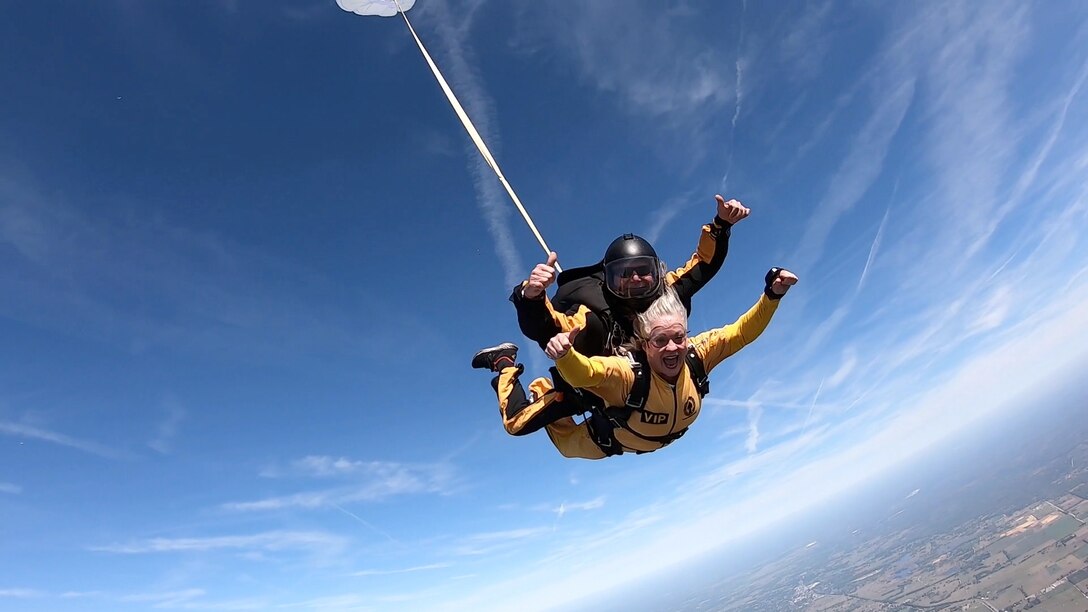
[{"x": 496, "y": 358}]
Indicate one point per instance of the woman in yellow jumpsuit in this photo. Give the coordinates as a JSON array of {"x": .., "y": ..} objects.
[{"x": 673, "y": 401}]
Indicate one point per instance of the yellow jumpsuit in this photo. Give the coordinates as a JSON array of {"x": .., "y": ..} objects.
[{"x": 669, "y": 408}]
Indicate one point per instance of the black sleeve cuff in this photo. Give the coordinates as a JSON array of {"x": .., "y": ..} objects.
[
  {"x": 722, "y": 222},
  {"x": 767, "y": 280}
]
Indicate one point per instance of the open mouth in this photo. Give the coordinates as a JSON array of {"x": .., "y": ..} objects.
[{"x": 671, "y": 361}]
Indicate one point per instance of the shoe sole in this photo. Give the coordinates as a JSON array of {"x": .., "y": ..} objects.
[{"x": 505, "y": 346}]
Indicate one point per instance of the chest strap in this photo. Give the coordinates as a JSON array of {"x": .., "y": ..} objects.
[{"x": 603, "y": 420}]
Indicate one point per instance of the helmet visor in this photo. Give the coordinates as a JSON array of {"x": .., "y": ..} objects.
[{"x": 633, "y": 277}]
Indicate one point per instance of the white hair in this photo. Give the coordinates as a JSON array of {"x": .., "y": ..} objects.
[{"x": 666, "y": 306}]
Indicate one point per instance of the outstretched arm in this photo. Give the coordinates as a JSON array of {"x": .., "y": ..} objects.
[
  {"x": 711, "y": 252},
  {"x": 718, "y": 344},
  {"x": 609, "y": 378},
  {"x": 538, "y": 320}
]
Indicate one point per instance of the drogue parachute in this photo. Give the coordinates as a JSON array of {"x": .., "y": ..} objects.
[
  {"x": 389, "y": 8},
  {"x": 379, "y": 8}
]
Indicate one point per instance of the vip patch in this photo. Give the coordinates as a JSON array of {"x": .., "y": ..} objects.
[{"x": 654, "y": 418}]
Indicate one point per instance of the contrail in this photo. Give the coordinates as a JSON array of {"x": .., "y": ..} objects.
[
  {"x": 45, "y": 435},
  {"x": 488, "y": 193},
  {"x": 369, "y": 525},
  {"x": 736, "y": 108},
  {"x": 813, "y": 406},
  {"x": 872, "y": 250}
]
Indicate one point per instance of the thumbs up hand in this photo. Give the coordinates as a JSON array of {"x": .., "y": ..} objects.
[
  {"x": 542, "y": 276},
  {"x": 731, "y": 211},
  {"x": 561, "y": 343}
]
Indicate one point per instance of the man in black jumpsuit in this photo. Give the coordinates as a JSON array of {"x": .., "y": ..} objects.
[{"x": 603, "y": 299}]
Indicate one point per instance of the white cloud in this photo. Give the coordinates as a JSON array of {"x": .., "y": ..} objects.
[
  {"x": 406, "y": 570},
  {"x": 31, "y": 432},
  {"x": 20, "y": 593},
  {"x": 377, "y": 480},
  {"x": 333, "y": 603},
  {"x": 993, "y": 312},
  {"x": 80, "y": 594},
  {"x": 13, "y": 489},
  {"x": 849, "y": 362},
  {"x": 493, "y": 542},
  {"x": 593, "y": 504},
  {"x": 752, "y": 442},
  {"x": 637, "y": 52},
  {"x": 168, "y": 427},
  {"x": 451, "y": 29},
  {"x": 873, "y": 248},
  {"x": 165, "y": 597},
  {"x": 803, "y": 48},
  {"x": 270, "y": 541},
  {"x": 857, "y": 172}
]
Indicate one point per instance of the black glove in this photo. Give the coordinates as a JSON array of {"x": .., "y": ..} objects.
[{"x": 768, "y": 281}]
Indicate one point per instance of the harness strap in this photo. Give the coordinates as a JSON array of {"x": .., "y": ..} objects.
[
  {"x": 603, "y": 420},
  {"x": 698, "y": 372}
]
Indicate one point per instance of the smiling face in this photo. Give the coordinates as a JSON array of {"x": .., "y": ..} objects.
[
  {"x": 665, "y": 345},
  {"x": 633, "y": 277}
]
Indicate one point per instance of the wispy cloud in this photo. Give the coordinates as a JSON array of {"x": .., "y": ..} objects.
[
  {"x": 992, "y": 311},
  {"x": 269, "y": 541},
  {"x": 406, "y": 570},
  {"x": 492, "y": 542},
  {"x": 663, "y": 215},
  {"x": 751, "y": 443},
  {"x": 168, "y": 427},
  {"x": 165, "y": 598},
  {"x": 371, "y": 481},
  {"x": 458, "y": 65},
  {"x": 20, "y": 593},
  {"x": 646, "y": 60},
  {"x": 812, "y": 408},
  {"x": 635, "y": 51},
  {"x": 593, "y": 504},
  {"x": 857, "y": 172},
  {"x": 13, "y": 489},
  {"x": 969, "y": 83},
  {"x": 192, "y": 599},
  {"x": 31, "y": 432},
  {"x": 805, "y": 45},
  {"x": 849, "y": 362},
  {"x": 365, "y": 523},
  {"x": 738, "y": 99},
  {"x": 80, "y": 594},
  {"x": 333, "y": 603},
  {"x": 873, "y": 248}
]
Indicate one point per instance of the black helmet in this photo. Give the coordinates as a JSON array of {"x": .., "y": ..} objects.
[{"x": 632, "y": 269}]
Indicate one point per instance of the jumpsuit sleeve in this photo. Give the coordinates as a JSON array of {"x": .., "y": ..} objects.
[
  {"x": 609, "y": 378},
  {"x": 539, "y": 320},
  {"x": 716, "y": 345},
  {"x": 704, "y": 263}
]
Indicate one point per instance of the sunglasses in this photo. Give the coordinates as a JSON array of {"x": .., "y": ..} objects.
[
  {"x": 643, "y": 271},
  {"x": 660, "y": 341}
]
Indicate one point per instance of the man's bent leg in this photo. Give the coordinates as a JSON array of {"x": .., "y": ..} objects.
[{"x": 520, "y": 416}]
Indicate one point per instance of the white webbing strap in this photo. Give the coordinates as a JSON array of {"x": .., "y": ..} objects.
[{"x": 471, "y": 129}]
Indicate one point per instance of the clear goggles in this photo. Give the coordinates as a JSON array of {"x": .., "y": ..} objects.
[
  {"x": 634, "y": 277},
  {"x": 660, "y": 341}
]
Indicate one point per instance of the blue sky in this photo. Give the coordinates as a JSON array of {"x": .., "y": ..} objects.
[{"x": 247, "y": 252}]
